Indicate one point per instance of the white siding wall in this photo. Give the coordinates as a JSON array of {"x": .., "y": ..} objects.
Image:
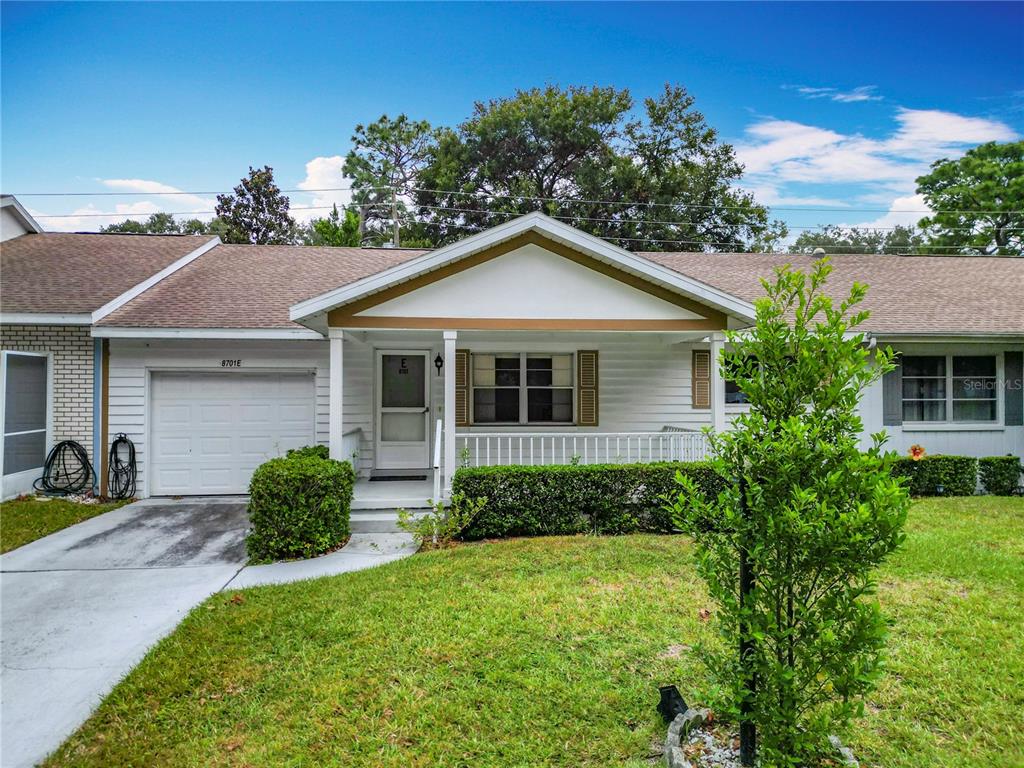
[
  {"x": 949, "y": 439},
  {"x": 132, "y": 360}
]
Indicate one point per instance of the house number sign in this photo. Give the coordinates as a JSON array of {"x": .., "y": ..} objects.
[{"x": 230, "y": 363}]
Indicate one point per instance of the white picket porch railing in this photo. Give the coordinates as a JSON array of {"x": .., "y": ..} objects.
[{"x": 482, "y": 449}]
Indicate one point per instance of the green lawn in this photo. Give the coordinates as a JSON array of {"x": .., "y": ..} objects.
[
  {"x": 25, "y": 520},
  {"x": 548, "y": 652}
]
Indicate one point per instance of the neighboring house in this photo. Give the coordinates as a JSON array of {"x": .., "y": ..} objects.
[
  {"x": 529, "y": 342},
  {"x": 53, "y": 287}
]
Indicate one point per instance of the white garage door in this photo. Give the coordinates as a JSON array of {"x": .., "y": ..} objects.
[{"x": 211, "y": 430}]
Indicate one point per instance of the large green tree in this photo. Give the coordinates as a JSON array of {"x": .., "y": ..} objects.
[
  {"x": 336, "y": 229},
  {"x": 257, "y": 212},
  {"x": 835, "y": 239},
  {"x": 165, "y": 224},
  {"x": 385, "y": 163},
  {"x": 660, "y": 181},
  {"x": 979, "y": 201}
]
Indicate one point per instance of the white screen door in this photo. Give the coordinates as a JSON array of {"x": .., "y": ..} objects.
[{"x": 403, "y": 411}]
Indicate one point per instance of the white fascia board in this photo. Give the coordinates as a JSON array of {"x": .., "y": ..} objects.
[
  {"x": 10, "y": 201},
  {"x": 149, "y": 282},
  {"x": 981, "y": 337},
  {"x": 116, "y": 332},
  {"x": 545, "y": 225},
  {"x": 44, "y": 318}
]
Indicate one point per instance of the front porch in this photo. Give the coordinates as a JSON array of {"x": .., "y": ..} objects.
[{"x": 419, "y": 402}]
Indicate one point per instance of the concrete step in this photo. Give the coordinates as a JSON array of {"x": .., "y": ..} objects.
[{"x": 377, "y": 521}]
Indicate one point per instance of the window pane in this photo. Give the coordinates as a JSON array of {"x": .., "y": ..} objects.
[
  {"x": 495, "y": 405},
  {"x": 733, "y": 394},
  {"x": 976, "y": 388},
  {"x": 506, "y": 371},
  {"x": 549, "y": 405},
  {"x": 402, "y": 381},
  {"x": 25, "y": 401},
  {"x": 974, "y": 410},
  {"x": 984, "y": 365},
  {"x": 506, "y": 405},
  {"x": 924, "y": 388},
  {"x": 924, "y": 410},
  {"x": 403, "y": 427},
  {"x": 932, "y": 365},
  {"x": 483, "y": 370},
  {"x": 483, "y": 405},
  {"x": 23, "y": 452}
]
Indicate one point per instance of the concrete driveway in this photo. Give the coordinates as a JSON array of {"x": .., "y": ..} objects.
[{"x": 81, "y": 607}]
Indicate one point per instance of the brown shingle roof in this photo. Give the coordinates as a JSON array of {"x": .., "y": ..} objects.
[
  {"x": 242, "y": 286},
  {"x": 79, "y": 273},
  {"x": 251, "y": 286},
  {"x": 906, "y": 294}
]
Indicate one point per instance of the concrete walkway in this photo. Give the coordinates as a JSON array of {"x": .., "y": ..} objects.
[{"x": 80, "y": 608}]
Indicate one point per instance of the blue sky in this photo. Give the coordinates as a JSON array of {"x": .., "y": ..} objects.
[{"x": 829, "y": 105}]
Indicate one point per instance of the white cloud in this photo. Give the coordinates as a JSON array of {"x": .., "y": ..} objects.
[
  {"x": 904, "y": 211},
  {"x": 323, "y": 173},
  {"x": 174, "y": 198},
  {"x": 860, "y": 93},
  {"x": 876, "y": 172},
  {"x": 89, "y": 218}
]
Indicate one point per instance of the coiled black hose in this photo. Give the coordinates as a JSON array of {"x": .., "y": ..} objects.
[
  {"x": 121, "y": 473},
  {"x": 66, "y": 470}
]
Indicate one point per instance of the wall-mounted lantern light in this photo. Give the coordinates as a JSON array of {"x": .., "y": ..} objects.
[{"x": 439, "y": 364}]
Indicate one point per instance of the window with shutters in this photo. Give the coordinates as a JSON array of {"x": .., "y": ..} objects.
[
  {"x": 950, "y": 388},
  {"x": 522, "y": 388}
]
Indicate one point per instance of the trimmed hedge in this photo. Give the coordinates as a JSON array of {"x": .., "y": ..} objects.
[
  {"x": 298, "y": 506},
  {"x": 957, "y": 475},
  {"x": 568, "y": 499},
  {"x": 316, "y": 451},
  {"x": 1000, "y": 475}
]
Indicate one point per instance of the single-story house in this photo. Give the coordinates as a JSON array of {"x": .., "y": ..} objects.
[
  {"x": 53, "y": 288},
  {"x": 529, "y": 342}
]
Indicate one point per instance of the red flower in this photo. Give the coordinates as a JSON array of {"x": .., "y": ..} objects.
[{"x": 917, "y": 452}]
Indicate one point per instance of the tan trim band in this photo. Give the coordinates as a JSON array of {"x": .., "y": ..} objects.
[{"x": 346, "y": 316}]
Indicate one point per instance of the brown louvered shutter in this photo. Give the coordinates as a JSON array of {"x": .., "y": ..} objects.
[
  {"x": 701, "y": 385},
  {"x": 586, "y": 388},
  {"x": 462, "y": 388}
]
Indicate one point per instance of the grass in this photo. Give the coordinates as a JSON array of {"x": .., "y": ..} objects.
[
  {"x": 24, "y": 519},
  {"x": 548, "y": 652}
]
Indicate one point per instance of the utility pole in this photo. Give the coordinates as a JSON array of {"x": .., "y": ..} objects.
[
  {"x": 394, "y": 215},
  {"x": 748, "y": 735}
]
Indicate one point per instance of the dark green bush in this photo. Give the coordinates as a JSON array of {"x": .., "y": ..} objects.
[
  {"x": 317, "y": 451},
  {"x": 568, "y": 499},
  {"x": 298, "y": 506},
  {"x": 1000, "y": 475},
  {"x": 957, "y": 475}
]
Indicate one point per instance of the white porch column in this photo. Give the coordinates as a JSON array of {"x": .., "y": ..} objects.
[
  {"x": 450, "y": 460},
  {"x": 337, "y": 427},
  {"x": 717, "y": 383}
]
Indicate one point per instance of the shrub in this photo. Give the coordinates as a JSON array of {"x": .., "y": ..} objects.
[
  {"x": 441, "y": 526},
  {"x": 568, "y": 499},
  {"x": 955, "y": 475},
  {"x": 298, "y": 506},
  {"x": 789, "y": 548},
  {"x": 317, "y": 451},
  {"x": 1000, "y": 475}
]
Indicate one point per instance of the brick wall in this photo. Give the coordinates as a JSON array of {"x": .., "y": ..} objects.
[{"x": 71, "y": 348}]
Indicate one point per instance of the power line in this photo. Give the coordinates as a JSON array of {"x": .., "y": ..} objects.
[
  {"x": 480, "y": 212},
  {"x": 560, "y": 201}
]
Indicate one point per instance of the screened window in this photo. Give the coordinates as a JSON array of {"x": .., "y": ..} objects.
[
  {"x": 522, "y": 388},
  {"x": 733, "y": 395},
  {"x": 950, "y": 388},
  {"x": 24, "y": 412}
]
